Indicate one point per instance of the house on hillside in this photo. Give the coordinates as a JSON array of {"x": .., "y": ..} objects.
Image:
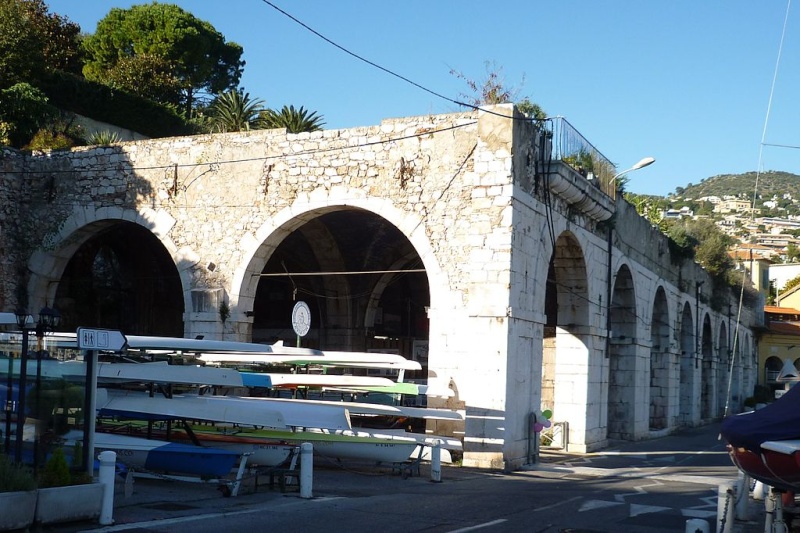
[{"x": 733, "y": 205}]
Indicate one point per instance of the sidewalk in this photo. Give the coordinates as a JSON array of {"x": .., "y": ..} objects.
[
  {"x": 147, "y": 500},
  {"x": 158, "y": 500}
]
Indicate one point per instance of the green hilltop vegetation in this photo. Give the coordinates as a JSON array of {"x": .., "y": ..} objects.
[{"x": 770, "y": 183}]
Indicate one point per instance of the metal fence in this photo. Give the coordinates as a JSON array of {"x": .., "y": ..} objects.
[{"x": 566, "y": 144}]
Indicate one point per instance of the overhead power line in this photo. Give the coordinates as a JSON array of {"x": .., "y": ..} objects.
[
  {"x": 342, "y": 273},
  {"x": 386, "y": 70}
]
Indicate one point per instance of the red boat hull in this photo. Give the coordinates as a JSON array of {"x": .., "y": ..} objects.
[{"x": 778, "y": 470}]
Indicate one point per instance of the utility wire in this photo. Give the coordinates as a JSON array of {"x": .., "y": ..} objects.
[
  {"x": 249, "y": 159},
  {"x": 769, "y": 108},
  {"x": 386, "y": 70}
]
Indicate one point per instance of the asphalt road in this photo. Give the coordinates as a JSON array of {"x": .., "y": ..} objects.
[{"x": 645, "y": 487}]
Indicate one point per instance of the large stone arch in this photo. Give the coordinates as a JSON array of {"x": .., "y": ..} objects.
[
  {"x": 687, "y": 412},
  {"x": 739, "y": 367},
  {"x": 724, "y": 370},
  {"x": 750, "y": 375},
  {"x": 567, "y": 388},
  {"x": 707, "y": 382},
  {"x": 622, "y": 371},
  {"x": 259, "y": 246},
  {"x": 661, "y": 392},
  {"x": 47, "y": 265}
]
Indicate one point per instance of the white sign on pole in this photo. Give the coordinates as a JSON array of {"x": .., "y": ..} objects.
[
  {"x": 101, "y": 339},
  {"x": 301, "y": 318}
]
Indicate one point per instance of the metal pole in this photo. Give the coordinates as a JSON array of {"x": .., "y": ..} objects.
[
  {"x": 21, "y": 386},
  {"x": 89, "y": 410},
  {"x": 9, "y": 404},
  {"x": 37, "y": 434}
]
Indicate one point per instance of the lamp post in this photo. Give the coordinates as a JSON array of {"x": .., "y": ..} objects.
[
  {"x": 9, "y": 405},
  {"x": 49, "y": 318},
  {"x": 646, "y": 161}
]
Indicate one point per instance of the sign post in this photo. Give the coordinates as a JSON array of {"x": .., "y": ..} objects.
[{"x": 92, "y": 340}]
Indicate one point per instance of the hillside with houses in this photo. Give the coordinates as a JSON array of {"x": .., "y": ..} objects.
[{"x": 760, "y": 211}]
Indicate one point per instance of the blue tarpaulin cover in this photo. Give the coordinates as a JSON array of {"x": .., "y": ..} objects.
[{"x": 779, "y": 420}]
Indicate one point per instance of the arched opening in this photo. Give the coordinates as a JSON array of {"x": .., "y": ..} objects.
[
  {"x": 622, "y": 357},
  {"x": 361, "y": 278},
  {"x": 687, "y": 367},
  {"x": 706, "y": 371},
  {"x": 724, "y": 356},
  {"x": 121, "y": 278},
  {"x": 660, "y": 390},
  {"x": 772, "y": 367},
  {"x": 565, "y": 356}
]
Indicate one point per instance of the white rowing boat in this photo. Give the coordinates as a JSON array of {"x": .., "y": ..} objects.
[
  {"x": 269, "y": 358},
  {"x": 227, "y": 409},
  {"x": 293, "y": 381},
  {"x": 362, "y": 408}
]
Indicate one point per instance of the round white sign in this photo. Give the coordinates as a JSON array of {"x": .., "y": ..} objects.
[{"x": 301, "y": 318}]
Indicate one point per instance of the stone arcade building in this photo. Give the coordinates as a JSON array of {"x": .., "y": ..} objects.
[{"x": 460, "y": 237}]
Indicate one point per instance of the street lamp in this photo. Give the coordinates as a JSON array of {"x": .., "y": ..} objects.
[
  {"x": 49, "y": 319},
  {"x": 641, "y": 164}
]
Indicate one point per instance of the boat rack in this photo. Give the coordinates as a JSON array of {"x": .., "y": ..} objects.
[
  {"x": 227, "y": 487},
  {"x": 283, "y": 476},
  {"x": 409, "y": 467}
]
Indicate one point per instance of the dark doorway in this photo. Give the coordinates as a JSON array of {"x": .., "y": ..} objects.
[{"x": 122, "y": 278}]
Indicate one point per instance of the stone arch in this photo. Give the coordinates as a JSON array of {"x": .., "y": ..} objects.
[
  {"x": 772, "y": 367},
  {"x": 660, "y": 390},
  {"x": 622, "y": 357},
  {"x": 344, "y": 318},
  {"x": 48, "y": 264},
  {"x": 724, "y": 371},
  {"x": 259, "y": 246},
  {"x": 565, "y": 355},
  {"x": 688, "y": 364},
  {"x": 706, "y": 370},
  {"x": 739, "y": 371},
  {"x": 750, "y": 376}
]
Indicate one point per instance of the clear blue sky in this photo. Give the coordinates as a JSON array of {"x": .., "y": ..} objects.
[{"x": 685, "y": 81}]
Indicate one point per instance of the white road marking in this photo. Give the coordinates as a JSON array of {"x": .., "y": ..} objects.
[
  {"x": 597, "y": 504},
  {"x": 480, "y": 526},
  {"x": 636, "y": 510}
]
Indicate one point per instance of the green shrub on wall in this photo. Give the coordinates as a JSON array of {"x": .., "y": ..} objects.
[
  {"x": 56, "y": 471},
  {"x": 102, "y": 103}
]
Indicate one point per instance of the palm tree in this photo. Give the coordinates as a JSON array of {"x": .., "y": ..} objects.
[
  {"x": 235, "y": 111},
  {"x": 294, "y": 120}
]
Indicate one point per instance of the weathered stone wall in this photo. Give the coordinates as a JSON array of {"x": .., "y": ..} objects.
[{"x": 469, "y": 192}]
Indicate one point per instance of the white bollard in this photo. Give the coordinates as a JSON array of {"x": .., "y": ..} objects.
[
  {"x": 306, "y": 469},
  {"x": 743, "y": 497},
  {"x": 725, "y": 506},
  {"x": 108, "y": 466},
  {"x": 436, "y": 461},
  {"x": 696, "y": 525}
]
